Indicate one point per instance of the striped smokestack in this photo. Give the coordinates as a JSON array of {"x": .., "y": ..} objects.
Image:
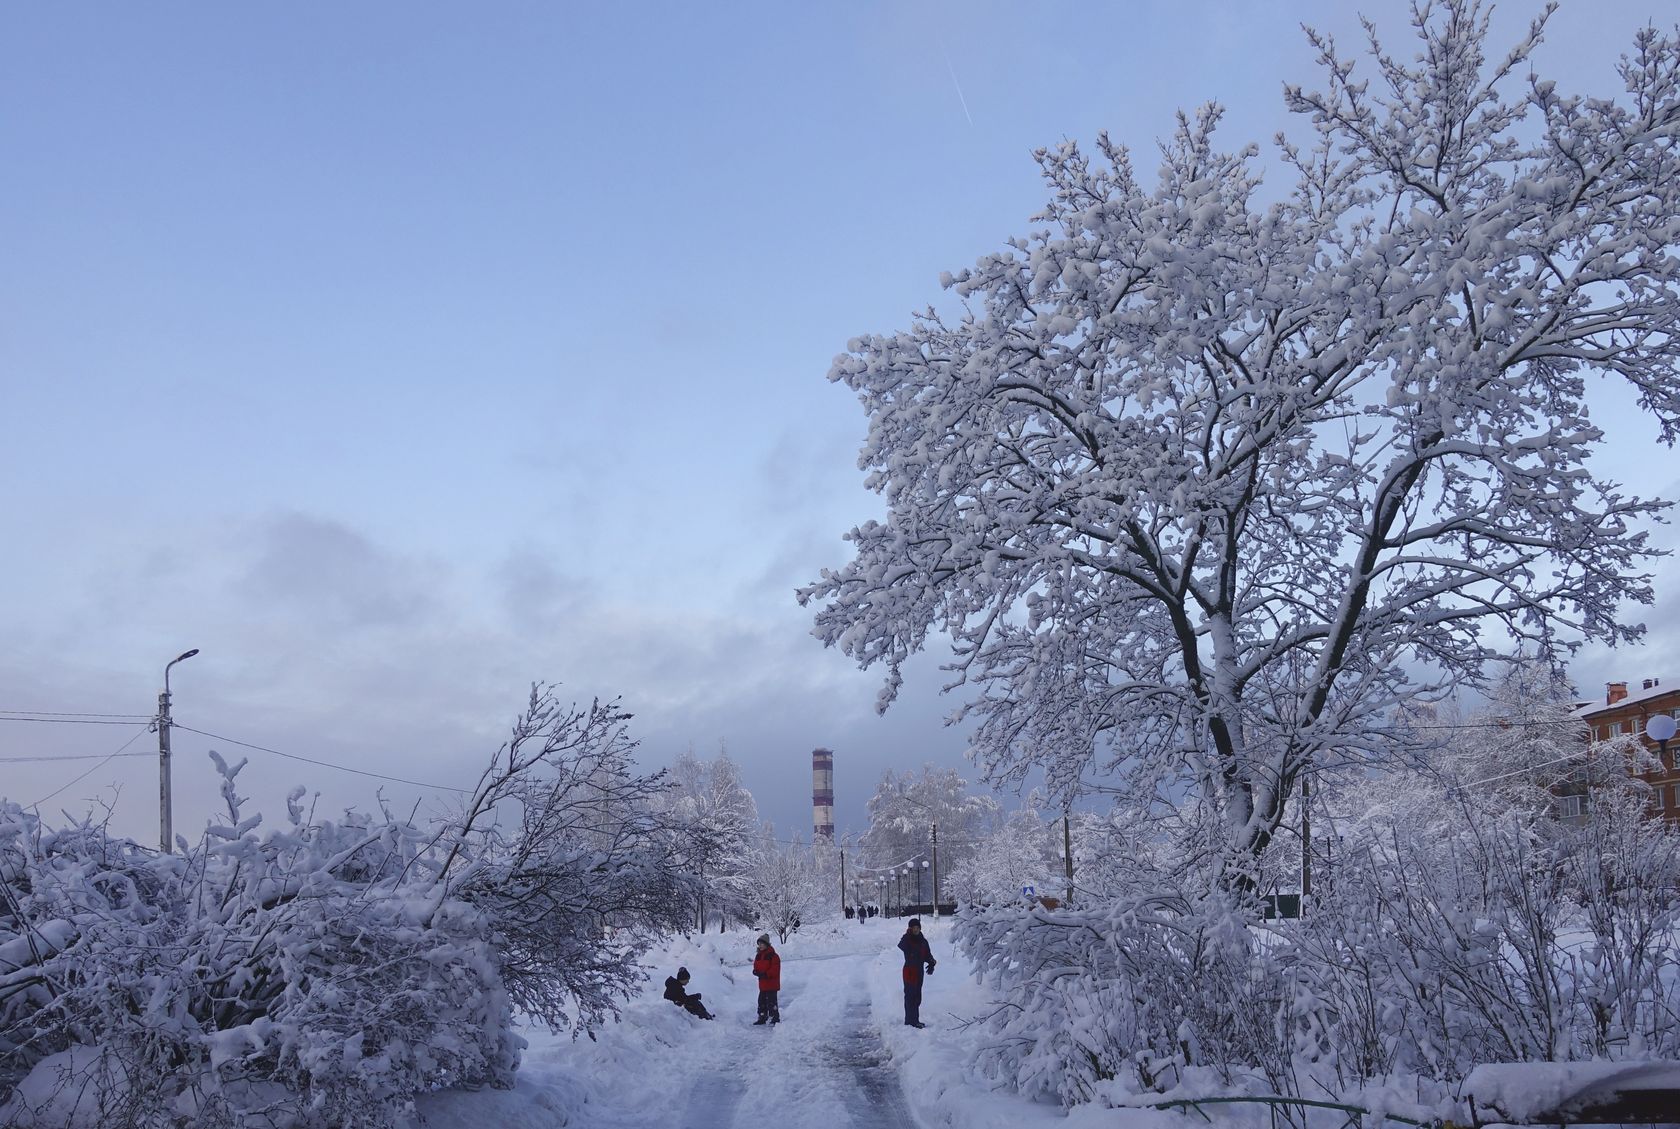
[{"x": 822, "y": 793}]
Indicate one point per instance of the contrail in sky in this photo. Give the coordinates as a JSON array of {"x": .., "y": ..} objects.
[{"x": 954, "y": 82}]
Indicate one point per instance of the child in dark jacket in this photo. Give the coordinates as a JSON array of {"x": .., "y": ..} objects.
[
  {"x": 676, "y": 990},
  {"x": 917, "y": 955}
]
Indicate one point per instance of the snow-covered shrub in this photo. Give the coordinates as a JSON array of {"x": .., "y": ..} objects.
[
  {"x": 322, "y": 973},
  {"x": 1431, "y": 958},
  {"x": 1622, "y": 869},
  {"x": 1483, "y": 936},
  {"x": 297, "y": 977},
  {"x": 1135, "y": 990}
]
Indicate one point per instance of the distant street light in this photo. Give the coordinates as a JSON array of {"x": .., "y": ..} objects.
[
  {"x": 919, "y": 874},
  {"x": 166, "y": 799}
]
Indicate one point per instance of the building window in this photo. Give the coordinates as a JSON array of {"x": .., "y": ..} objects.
[
  {"x": 1572, "y": 807},
  {"x": 1659, "y": 796}
]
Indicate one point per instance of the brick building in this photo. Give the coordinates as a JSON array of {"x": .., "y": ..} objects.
[{"x": 1626, "y": 711}]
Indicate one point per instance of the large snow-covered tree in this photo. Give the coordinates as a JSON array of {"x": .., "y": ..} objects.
[{"x": 1204, "y": 479}]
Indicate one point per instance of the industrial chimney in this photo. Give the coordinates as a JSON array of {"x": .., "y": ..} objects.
[{"x": 822, "y": 793}]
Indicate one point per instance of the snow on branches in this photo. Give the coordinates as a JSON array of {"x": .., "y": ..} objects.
[
  {"x": 1201, "y": 485},
  {"x": 323, "y": 972}
]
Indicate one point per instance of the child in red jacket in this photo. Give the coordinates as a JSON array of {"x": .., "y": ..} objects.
[{"x": 767, "y": 966}]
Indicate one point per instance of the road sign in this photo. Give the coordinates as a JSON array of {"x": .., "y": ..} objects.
[{"x": 1027, "y": 891}]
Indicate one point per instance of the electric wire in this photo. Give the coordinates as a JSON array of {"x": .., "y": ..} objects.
[
  {"x": 49, "y": 759},
  {"x": 74, "y": 720},
  {"x": 63, "y": 713},
  {"x": 322, "y": 763},
  {"x": 142, "y": 731}
]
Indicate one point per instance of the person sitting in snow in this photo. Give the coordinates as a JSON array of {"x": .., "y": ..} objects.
[
  {"x": 676, "y": 990},
  {"x": 917, "y": 955},
  {"x": 767, "y": 966}
]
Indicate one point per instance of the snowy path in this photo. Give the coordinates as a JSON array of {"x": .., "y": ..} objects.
[
  {"x": 840, "y": 1059},
  {"x": 823, "y": 1065}
]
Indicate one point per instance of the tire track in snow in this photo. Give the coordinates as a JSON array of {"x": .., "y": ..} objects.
[
  {"x": 711, "y": 1103},
  {"x": 877, "y": 1100},
  {"x": 823, "y": 1067}
]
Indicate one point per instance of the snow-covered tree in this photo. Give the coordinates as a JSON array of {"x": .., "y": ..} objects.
[
  {"x": 1518, "y": 752},
  {"x": 786, "y": 887},
  {"x": 589, "y": 872},
  {"x": 907, "y": 806},
  {"x": 1020, "y": 852},
  {"x": 720, "y": 821},
  {"x": 1203, "y": 482}
]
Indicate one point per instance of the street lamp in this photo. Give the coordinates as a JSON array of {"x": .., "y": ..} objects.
[
  {"x": 1661, "y": 730},
  {"x": 166, "y": 799},
  {"x": 919, "y": 874}
]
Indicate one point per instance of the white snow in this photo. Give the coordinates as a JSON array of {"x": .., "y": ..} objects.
[{"x": 841, "y": 1057}]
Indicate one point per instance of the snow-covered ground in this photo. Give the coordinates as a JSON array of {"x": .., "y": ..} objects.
[{"x": 841, "y": 1057}]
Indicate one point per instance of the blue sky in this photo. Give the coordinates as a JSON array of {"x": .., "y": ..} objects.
[{"x": 396, "y": 355}]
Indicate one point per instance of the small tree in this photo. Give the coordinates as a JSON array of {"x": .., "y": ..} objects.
[
  {"x": 718, "y": 818},
  {"x": 786, "y": 888},
  {"x": 1020, "y": 852},
  {"x": 905, "y": 809}
]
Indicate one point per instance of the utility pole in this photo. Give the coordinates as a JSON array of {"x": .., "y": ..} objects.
[
  {"x": 936, "y": 868},
  {"x": 842, "y": 879},
  {"x": 1306, "y": 843},
  {"x": 166, "y": 796},
  {"x": 1067, "y": 857}
]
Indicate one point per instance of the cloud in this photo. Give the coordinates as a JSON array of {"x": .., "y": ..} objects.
[{"x": 321, "y": 569}]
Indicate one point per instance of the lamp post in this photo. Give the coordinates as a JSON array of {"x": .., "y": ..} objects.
[
  {"x": 166, "y": 799},
  {"x": 1661, "y": 730},
  {"x": 919, "y": 874}
]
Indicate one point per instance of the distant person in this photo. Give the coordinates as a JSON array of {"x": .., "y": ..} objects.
[
  {"x": 676, "y": 990},
  {"x": 917, "y": 956},
  {"x": 767, "y": 966}
]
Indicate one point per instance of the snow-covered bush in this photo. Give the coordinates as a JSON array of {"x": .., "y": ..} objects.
[
  {"x": 300, "y": 976},
  {"x": 1478, "y": 936},
  {"x": 1134, "y": 992},
  {"x": 321, "y": 973}
]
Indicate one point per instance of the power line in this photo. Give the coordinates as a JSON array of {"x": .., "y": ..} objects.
[
  {"x": 74, "y": 756},
  {"x": 322, "y": 763},
  {"x": 142, "y": 731},
  {"x": 75, "y": 720},
  {"x": 61, "y": 713}
]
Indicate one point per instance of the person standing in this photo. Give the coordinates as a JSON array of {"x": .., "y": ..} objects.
[
  {"x": 767, "y": 966},
  {"x": 917, "y": 956}
]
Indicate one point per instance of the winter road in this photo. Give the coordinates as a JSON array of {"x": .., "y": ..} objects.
[{"x": 823, "y": 1066}]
